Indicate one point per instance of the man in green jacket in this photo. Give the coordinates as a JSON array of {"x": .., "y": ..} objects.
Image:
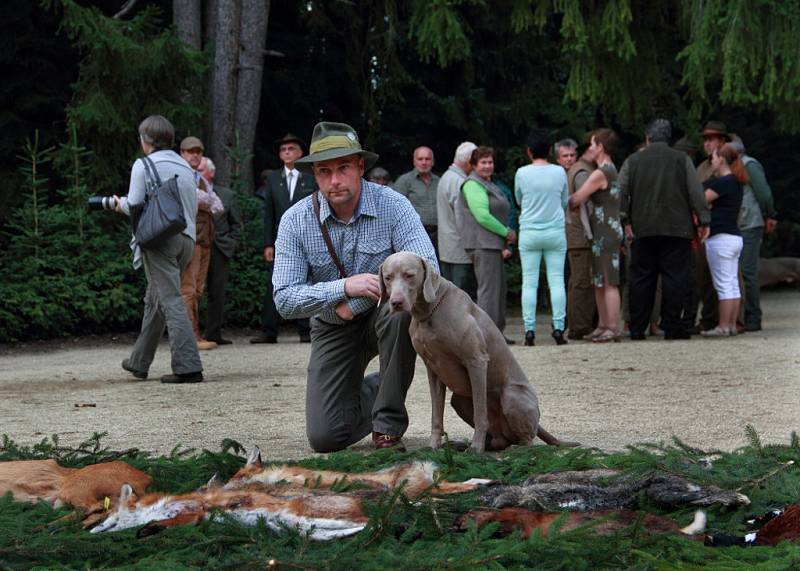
[
  {"x": 757, "y": 217},
  {"x": 660, "y": 190}
]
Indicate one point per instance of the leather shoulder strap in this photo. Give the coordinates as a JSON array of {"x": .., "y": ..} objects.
[{"x": 326, "y": 236}]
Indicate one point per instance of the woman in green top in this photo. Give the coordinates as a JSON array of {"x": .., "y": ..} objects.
[{"x": 481, "y": 213}]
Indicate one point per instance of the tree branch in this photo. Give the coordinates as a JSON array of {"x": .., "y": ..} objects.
[{"x": 127, "y": 7}]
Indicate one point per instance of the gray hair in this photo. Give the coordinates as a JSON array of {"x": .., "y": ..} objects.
[
  {"x": 156, "y": 130},
  {"x": 464, "y": 152},
  {"x": 210, "y": 167},
  {"x": 738, "y": 145},
  {"x": 659, "y": 131},
  {"x": 378, "y": 172},
  {"x": 569, "y": 143}
]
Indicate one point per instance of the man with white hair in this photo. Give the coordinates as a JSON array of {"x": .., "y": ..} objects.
[
  {"x": 454, "y": 262},
  {"x": 227, "y": 232},
  {"x": 419, "y": 186},
  {"x": 756, "y": 218}
]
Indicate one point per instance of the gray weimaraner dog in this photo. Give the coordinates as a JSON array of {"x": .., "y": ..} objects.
[{"x": 464, "y": 351}]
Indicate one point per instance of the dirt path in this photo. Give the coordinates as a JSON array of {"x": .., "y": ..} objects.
[{"x": 608, "y": 396}]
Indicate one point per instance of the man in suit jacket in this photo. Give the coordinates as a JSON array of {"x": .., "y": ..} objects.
[
  {"x": 228, "y": 230},
  {"x": 285, "y": 187}
]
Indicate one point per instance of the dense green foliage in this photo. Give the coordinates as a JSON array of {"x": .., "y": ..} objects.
[
  {"x": 403, "y": 73},
  {"x": 416, "y": 535}
]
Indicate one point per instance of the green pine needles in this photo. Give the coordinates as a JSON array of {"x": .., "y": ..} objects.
[{"x": 404, "y": 534}]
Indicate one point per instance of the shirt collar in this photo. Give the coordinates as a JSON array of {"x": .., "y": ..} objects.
[
  {"x": 458, "y": 170},
  {"x": 286, "y": 172},
  {"x": 366, "y": 203}
]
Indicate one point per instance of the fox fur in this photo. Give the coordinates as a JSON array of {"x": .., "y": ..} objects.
[
  {"x": 416, "y": 478},
  {"x": 323, "y": 517},
  {"x": 83, "y": 488},
  {"x": 283, "y": 496}
]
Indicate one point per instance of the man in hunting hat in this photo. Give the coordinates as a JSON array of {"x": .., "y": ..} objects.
[
  {"x": 333, "y": 280},
  {"x": 285, "y": 186}
]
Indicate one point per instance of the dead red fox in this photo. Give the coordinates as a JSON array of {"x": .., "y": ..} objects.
[
  {"x": 416, "y": 478},
  {"x": 84, "y": 488},
  {"x": 283, "y": 496},
  {"x": 323, "y": 517}
]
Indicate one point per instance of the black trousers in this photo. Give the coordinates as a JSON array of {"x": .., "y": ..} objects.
[
  {"x": 270, "y": 318},
  {"x": 216, "y": 283},
  {"x": 671, "y": 258}
]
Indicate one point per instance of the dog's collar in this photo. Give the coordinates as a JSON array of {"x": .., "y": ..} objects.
[{"x": 435, "y": 307}]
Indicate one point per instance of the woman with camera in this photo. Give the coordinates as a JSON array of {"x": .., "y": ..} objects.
[{"x": 163, "y": 305}]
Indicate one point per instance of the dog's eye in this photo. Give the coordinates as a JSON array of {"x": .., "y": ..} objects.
[
  {"x": 387, "y": 278},
  {"x": 409, "y": 275}
]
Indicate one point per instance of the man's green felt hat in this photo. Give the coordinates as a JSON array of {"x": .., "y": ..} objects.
[{"x": 332, "y": 141}]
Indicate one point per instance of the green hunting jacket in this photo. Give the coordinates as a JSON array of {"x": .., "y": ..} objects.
[{"x": 660, "y": 190}]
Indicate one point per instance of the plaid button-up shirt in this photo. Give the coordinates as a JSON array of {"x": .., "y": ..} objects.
[{"x": 306, "y": 280}]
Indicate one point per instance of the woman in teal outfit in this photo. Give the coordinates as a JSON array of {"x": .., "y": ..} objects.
[
  {"x": 602, "y": 189},
  {"x": 541, "y": 191}
]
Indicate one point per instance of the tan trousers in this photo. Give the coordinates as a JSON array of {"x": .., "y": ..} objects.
[
  {"x": 581, "y": 305},
  {"x": 193, "y": 282}
]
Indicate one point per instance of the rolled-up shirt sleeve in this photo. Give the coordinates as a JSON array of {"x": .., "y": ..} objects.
[
  {"x": 137, "y": 188},
  {"x": 295, "y": 295}
]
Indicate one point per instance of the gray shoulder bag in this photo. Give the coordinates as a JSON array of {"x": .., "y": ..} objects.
[{"x": 161, "y": 215}]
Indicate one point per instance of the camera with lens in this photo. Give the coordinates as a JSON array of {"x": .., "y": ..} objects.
[{"x": 101, "y": 203}]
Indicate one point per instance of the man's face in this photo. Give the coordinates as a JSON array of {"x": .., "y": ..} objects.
[
  {"x": 423, "y": 160},
  {"x": 711, "y": 143},
  {"x": 339, "y": 180},
  {"x": 566, "y": 157},
  {"x": 289, "y": 153},
  {"x": 192, "y": 156}
]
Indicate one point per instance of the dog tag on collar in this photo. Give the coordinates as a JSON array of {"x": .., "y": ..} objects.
[{"x": 106, "y": 503}]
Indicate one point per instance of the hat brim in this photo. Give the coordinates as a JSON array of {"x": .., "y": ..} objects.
[
  {"x": 715, "y": 133},
  {"x": 305, "y": 163},
  {"x": 278, "y": 142}
]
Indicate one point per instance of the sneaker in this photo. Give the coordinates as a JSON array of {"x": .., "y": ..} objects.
[
  {"x": 380, "y": 441},
  {"x": 126, "y": 364},
  {"x": 717, "y": 332},
  {"x": 183, "y": 378}
]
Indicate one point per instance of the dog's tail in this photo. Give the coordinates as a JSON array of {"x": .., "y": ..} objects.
[
  {"x": 698, "y": 525},
  {"x": 548, "y": 438}
]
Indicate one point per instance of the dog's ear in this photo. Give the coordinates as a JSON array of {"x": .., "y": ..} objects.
[
  {"x": 431, "y": 283},
  {"x": 382, "y": 285}
]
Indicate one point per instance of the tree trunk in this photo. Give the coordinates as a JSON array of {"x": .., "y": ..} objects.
[
  {"x": 253, "y": 35},
  {"x": 222, "y": 103},
  {"x": 187, "y": 16}
]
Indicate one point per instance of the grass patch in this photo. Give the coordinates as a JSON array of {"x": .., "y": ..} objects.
[{"x": 401, "y": 534}]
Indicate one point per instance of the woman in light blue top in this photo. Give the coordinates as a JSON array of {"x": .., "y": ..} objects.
[{"x": 541, "y": 191}]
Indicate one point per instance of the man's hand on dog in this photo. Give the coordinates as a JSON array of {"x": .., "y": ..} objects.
[{"x": 363, "y": 285}]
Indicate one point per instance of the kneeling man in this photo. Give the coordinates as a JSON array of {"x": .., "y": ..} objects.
[{"x": 329, "y": 249}]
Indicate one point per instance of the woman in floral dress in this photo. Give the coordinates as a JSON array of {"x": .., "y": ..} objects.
[{"x": 602, "y": 189}]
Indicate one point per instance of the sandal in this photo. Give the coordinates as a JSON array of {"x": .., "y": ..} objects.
[
  {"x": 596, "y": 333},
  {"x": 608, "y": 335}
]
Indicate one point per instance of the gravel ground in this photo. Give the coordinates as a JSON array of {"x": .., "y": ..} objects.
[{"x": 703, "y": 391}]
